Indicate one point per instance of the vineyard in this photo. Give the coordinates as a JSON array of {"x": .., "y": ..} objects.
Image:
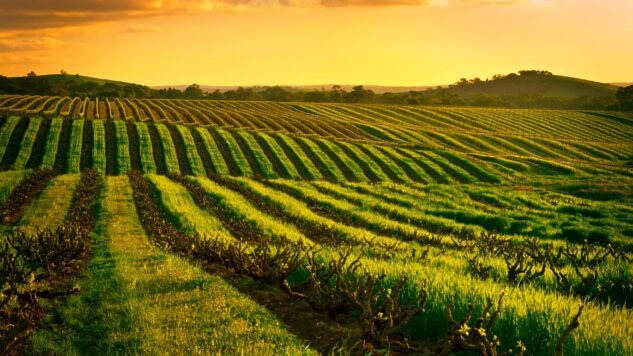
[{"x": 185, "y": 226}]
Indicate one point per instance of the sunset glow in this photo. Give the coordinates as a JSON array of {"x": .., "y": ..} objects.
[{"x": 385, "y": 42}]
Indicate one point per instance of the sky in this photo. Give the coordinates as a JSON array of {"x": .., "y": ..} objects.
[{"x": 295, "y": 42}]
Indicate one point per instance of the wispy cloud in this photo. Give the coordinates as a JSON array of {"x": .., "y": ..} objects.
[
  {"x": 35, "y": 14},
  {"x": 374, "y": 3},
  {"x": 26, "y": 42},
  {"x": 139, "y": 28}
]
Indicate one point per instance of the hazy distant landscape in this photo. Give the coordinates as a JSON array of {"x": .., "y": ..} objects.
[{"x": 476, "y": 199}]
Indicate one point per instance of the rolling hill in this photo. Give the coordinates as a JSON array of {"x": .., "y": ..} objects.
[
  {"x": 535, "y": 83},
  {"x": 281, "y": 228}
]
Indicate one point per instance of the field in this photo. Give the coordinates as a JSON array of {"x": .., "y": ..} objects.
[{"x": 184, "y": 226}]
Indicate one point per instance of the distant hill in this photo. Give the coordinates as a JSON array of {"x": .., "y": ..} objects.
[
  {"x": 57, "y": 78},
  {"x": 622, "y": 84},
  {"x": 71, "y": 85},
  {"x": 533, "y": 83},
  {"x": 378, "y": 89}
]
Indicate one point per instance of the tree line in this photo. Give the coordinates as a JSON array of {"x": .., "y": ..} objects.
[{"x": 74, "y": 85}]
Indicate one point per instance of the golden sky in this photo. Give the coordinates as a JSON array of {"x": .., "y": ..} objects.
[{"x": 249, "y": 42}]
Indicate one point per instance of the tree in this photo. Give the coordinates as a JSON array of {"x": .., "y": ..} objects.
[
  {"x": 216, "y": 95},
  {"x": 359, "y": 95},
  {"x": 276, "y": 93},
  {"x": 625, "y": 98},
  {"x": 194, "y": 92},
  {"x": 31, "y": 74},
  {"x": 337, "y": 93}
]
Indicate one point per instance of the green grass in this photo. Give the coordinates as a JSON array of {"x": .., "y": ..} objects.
[
  {"x": 9, "y": 180},
  {"x": 277, "y": 155},
  {"x": 557, "y": 176},
  {"x": 301, "y": 161},
  {"x": 395, "y": 171},
  {"x": 261, "y": 160},
  {"x": 296, "y": 211},
  {"x": 26, "y": 146},
  {"x": 214, "y": 152},
  {"x": 243, "y": 210},
  {"x": 234, "y": 150},
  {"x": 182, "y": 209},
  {"x": 99, "y": 159},
  {"x": 50, "y": 151},
  {"x": 122, "y": 147},
  {"x": 146, "y": 150},
  {"x": 320, "y": 159},
  {"x": 74, "y": 152},
  {"x": 171, "y": 158},
  {"x": 138, "y": 299},
  {"x": 355, "y": 172},
  {"x": 51, "y": 206},
  {"x": 5, "y": 133},
  {"x": 370, "y": 166},
  {"x": 195, "y": 162}
]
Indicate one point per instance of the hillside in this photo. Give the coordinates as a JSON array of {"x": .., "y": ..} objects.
[
  {"x": 510, "y": 142},
  {"x": 81, "y": 79},
  {"x": 260, "y": 227},
  {"x": 68, "y": 84},
  {"x": 535, "y": 83}
]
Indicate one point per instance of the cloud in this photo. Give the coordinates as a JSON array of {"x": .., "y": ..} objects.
[
  {"x": 35, "y": 14},
  {"x": 109, "y": 6},
  {"x": 374, "y": 3},
  {"x": 31, "y": 15},
  {"x": 20, "y": 44},
  {"x": 511, "y": 2},
  {"x": 22, "y": 59},
  {"x": 138, "y": 28}
]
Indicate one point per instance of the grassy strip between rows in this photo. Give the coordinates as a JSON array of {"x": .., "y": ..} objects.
[
  {"x": 321, "y": 161},
  {"x": 63, "y": 146},
  {"x": 28, "y": 141},
  {"x": 74, "y": 152},
  {"x": 9, "y": 180},
  {"x": 87, "y": 149},
  {"x": 191, "y": 151},
  {"x": 209, "y": 151},
  {"x": 13, "y": 204},
  {"x": 52, "y": 141},
  {"x": 301, "y": 161},
  {"x": 169, "y": 150},
  {"x": 122, "y": 147},
  {"x": 39, "y": 146},
  {"x": 6, "y": 132},
  {"x": 134, "y": 146},
  {"x": 276, "y": 155},
  {"x": 145, "y": 148},
  {"x": 233, "y": 155},
  {"x": 13, "y": 148},
  {"x": 99, "y": 155},
  {"x": 180, "y": 149},
  {"x": 51, "y": 206}
]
